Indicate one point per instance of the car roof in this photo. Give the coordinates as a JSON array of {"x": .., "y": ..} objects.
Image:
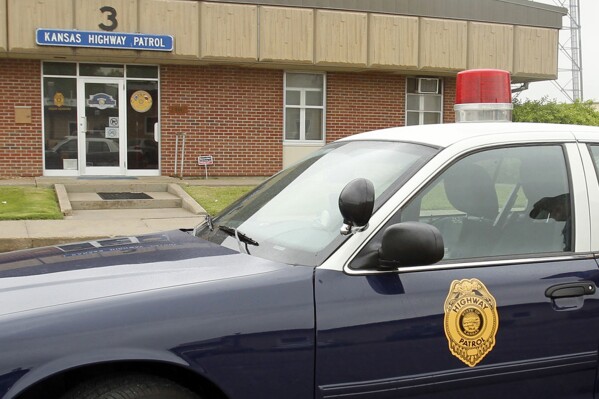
[{"x": 444, "y": 135}]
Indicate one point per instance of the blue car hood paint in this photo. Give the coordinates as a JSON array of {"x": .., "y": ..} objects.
[{"x": 51, "y": 276}]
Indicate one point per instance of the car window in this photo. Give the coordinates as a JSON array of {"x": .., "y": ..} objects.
[
  {"x": 499, "y": 202},
  {"x": 69, "y": 146},
  {"x": 97, "y": 146},
  {"x": 295, "y": 217},
  {"x": 595, "y": 154}
]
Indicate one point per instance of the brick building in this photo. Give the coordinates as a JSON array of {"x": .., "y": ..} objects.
[{"x": 146, "y": 87}]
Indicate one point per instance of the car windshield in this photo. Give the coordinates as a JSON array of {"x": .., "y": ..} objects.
[{"x": 294, "y": 216}]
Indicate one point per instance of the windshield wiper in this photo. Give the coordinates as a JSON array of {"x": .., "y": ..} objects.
[{"x": 240, "y": 237}]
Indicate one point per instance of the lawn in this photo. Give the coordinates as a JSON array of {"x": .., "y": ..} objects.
[
  {"x": 20, "y": 203},
  {"x": 215, "y": 199}
]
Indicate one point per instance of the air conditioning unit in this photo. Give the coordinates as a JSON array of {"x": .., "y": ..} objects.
[{"x": 428, "y": 85}]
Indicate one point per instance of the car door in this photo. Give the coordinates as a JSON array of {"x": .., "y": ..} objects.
[{"x": 511, "y": 310}]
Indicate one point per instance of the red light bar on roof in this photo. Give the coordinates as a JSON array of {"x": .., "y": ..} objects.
[{"x": 483, "y": 95}]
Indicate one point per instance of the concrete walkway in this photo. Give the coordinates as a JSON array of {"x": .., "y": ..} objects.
[{"x": 96, "y": 224}]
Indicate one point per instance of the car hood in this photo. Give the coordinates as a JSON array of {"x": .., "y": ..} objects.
[{"x": 52, "y": 276}]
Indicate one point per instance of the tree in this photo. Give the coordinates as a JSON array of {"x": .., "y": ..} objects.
[{"x": 546, "y": 111}]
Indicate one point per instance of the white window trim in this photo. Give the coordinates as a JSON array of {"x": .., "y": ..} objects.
[
  {"x": 420, "y": 112},
  {"x": 302, "y": 107}
]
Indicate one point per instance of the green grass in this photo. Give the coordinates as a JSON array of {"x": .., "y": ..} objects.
[
  {"x": 21, "y": 203},
  {"x": 215, "y": 199},
  {"x": 437, "y": 200}
]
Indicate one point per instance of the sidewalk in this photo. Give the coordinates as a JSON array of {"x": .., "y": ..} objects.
[{"x": 96, "y": 224}]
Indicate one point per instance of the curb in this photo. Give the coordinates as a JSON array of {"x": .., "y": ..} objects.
[
  {"x": 63, "y": 199},
  {"x": 188, "y": 202}
]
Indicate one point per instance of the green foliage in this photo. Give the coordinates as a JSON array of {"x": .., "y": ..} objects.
[
  {"x": 20, "y": 203},
  {"x": 550, "y": 111}
]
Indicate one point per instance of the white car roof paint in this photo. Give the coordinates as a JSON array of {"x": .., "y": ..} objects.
[{"x": 444, "y": 135}]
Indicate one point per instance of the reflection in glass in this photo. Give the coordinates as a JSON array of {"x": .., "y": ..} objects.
[
  {"x": 142, "y": 71},
  {"x": 295, "y": 216},
  {"x": 101, "y": 70},
  {"x": 142, "y": 114},
  {"x": 305, "y": 80},
  {"x": 60, "y": 123},
  {"x": 292, "y": 124},
  {"x": 313, "y": 124},
  {"x": 102, "y": 116},
  {"x": 314, "y": 97},
  {"x": 60, "y": 68},
  {"x": 293, "y": 97}
]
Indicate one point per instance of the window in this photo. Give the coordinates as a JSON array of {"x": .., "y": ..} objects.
[
  {"x": 304, "y": 107},
  {"x": 102, "y": 70},
  {"x": 424, "y": 101},
  {"x": 295, "y": 216},
  {"x": 60, "y": 102},
  {"x": 500, "y": 202},
  {"x": 60, "y": 121},
  {"x": 595, "y": 154}
]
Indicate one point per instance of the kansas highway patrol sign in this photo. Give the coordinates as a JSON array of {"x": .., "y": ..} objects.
[{"x": 471, "y": 320}]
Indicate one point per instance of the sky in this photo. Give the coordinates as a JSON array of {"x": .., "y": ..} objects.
[{"x": 589, "y": 28}]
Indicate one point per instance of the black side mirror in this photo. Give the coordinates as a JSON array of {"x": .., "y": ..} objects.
[
  {"x": 410, "y": 244},
  {"x": 356, "y": 203}
]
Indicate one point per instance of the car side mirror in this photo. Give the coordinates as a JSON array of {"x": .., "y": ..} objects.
[
  {"x": 410, "y": 244},
  {"x": 356, "y": 203}
]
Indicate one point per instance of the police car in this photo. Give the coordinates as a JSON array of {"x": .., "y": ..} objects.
[{"x": 445, "y": 261}]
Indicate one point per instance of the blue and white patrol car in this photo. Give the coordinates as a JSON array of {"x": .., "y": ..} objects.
[{"x": 446, "y": 261}]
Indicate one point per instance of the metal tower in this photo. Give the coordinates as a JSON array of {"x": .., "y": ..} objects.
[{"x": 569, "y": 80}]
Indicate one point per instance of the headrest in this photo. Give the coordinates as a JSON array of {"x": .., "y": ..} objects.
[
  {"x": 543, "y": 176},
  {"x": 470, "y": 189}
]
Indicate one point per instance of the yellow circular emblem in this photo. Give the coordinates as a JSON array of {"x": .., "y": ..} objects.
[
  {"x": 59, "y": 99},
  {"x": 471, "y": 320},
  {"x": 141, "y": 101}
]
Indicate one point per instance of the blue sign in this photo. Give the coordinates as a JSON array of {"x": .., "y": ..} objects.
[
  {"x": 101, "y": 101},
  {"x": 113, "y": 40}
]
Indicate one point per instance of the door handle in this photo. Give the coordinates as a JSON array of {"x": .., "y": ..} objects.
[
  {"x": 83, "y": 124},
  {"x": 569, "y": 290},
  {"x": 156, "y": 132}
]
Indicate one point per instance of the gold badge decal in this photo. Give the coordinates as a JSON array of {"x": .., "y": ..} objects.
[
  {"x": 471, "y": 320},
  {"x": 141, "y": 101},
  {"x": 59, "y": 99}
]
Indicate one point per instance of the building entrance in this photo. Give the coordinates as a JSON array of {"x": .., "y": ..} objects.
[
  {"x": 101, "y": 119},
  {"x": 101, "y": 140}
]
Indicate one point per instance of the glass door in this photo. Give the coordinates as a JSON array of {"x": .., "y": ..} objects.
[{"x": 102, "y": 141}]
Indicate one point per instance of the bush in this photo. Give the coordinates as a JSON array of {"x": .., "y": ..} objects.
[{"x": 546, "y": 111}]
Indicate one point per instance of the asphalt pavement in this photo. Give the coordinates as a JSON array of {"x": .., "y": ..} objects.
[{"x": 85, "y": 225}]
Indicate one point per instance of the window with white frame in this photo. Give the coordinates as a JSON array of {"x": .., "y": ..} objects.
[
  {"x": 304, "y": 107},
  {"x": 424, "y": 101}
]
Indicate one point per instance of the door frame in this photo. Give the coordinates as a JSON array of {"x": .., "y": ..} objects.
[{"x": 85, "y": 170}]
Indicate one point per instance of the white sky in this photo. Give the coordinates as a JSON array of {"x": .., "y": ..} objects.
[{"x": 589, "y": 27}]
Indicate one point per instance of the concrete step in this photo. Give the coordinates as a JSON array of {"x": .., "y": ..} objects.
[
  {"x": 116, "y": 187},
  {"x": 92, "y": 201},
  {"x": 73, "y": 197}
]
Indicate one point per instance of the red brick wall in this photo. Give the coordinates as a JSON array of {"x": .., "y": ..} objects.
[
  {"x": 236, "y": 115},
  {"x": 233, "y": 114},
  {"x": 20, "y": 144},
  {"x": 358, "y": 103},
  {"x": 448, "y": 100}
]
